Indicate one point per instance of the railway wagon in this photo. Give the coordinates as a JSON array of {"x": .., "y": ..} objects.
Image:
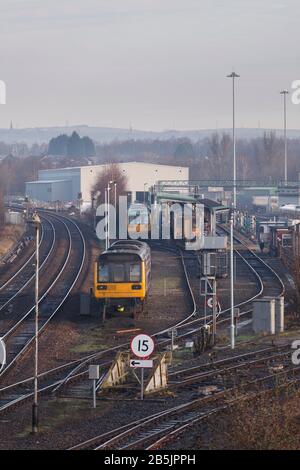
[{"x": 122, "y": 276}]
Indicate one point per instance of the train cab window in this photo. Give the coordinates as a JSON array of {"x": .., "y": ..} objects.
[
  {"x": 118, "y": 273},
  {"x": 134, "y": 272},
  {"x": 103, "y": 273}
]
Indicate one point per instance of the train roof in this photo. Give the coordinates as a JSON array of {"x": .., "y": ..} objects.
[
  {"x": 121, "y": 247},
  {"x": 128, "y": 242},
  {"x": 125, "y": 246}
]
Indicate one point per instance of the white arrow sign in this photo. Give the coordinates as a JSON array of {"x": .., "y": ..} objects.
[{"x": 141, "y": 363}]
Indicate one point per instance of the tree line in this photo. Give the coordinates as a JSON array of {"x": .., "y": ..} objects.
[
  {"x": 209, "y": 158},
  {"x": 71, "y": 146}
]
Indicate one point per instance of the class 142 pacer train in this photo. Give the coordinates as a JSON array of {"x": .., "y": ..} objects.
[
  {"x": 122, "y": 273},
  {"x": 122, "y": 276}
]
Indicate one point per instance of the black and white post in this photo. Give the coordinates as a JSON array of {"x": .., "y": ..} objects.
[{"x": 94, "y": 375}]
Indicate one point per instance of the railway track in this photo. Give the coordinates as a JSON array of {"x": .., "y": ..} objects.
[
  {"x": 152, "y": 432},
  {"x": 268, "y": 283},
  {"x": 290, "y": 378},
  {"x": 13, "y": 287},
  {"x": 20, "y": 335},
  {"x": 57, "y": 379},
  {"x": 242, "y": 363},
  {"x": 156, "y": 430},
  {"x": 271, "y": 281}
]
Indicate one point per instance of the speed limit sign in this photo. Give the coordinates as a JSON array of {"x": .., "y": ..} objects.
[{"x": 142, "y": 345}]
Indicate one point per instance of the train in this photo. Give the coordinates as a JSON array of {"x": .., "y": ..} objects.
[
  {"x": 138, "y": 221},
  {"x": 122, "y": 277}
]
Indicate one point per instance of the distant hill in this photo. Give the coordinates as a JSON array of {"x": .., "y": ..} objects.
[{"x": 106, "y": 134}]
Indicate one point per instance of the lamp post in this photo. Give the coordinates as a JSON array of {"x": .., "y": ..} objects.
[
  {"x": 36, "y": 221},
  {"x": 115, "y": 194},
  {"x": 233, "y": 75},
  {"x": 94, "y": 210},
  {"x": 145, "y": 184},
  {"x": 115, "y": 214},
  {"x": 27, "y": 206},
  {"x": 105, "y": 210},
  {"x": 284, "y": 93},
  {"x": 108, "y": 211},
  {"x": 95, "y": 197},
  {"x": 108, "y": 214},
  {"x": 232, "y": 328}
]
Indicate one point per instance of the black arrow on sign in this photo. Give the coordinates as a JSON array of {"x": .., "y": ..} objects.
[{"x": 135, "y": 362}]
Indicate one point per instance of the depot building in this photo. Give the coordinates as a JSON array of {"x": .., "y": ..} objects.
[{"x": 65, "y": 184}]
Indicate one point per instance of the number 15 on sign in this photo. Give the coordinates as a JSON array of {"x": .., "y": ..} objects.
[{"x": 142, "y": 345}]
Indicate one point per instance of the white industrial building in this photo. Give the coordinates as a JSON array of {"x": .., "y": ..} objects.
[{"x": 65, "y": 184}]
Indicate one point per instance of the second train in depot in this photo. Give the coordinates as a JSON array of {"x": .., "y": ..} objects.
[{"x": 122, "y": 276}]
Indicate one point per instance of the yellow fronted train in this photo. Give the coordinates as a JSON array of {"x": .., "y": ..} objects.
[
  {"x": 138, "y": 221},
  {"x": 122, "y": 276}
]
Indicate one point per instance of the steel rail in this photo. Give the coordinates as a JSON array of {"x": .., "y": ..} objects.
[
  {"x": 31, "y": 258},
  {"x": 184, "y": 323},
  {"x": 23, "y": 286},
  {"x": 53, "y": 284},
  {"x": 117, "y": 435}
]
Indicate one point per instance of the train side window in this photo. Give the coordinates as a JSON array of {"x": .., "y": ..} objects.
[
  {"x": 103, "y": 273},
  {"x": 134, "y": 273}
]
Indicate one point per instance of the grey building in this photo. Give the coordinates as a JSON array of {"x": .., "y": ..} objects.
[
  {"x": 64, "y": 184},
  {"x": 50, "y": 190}
]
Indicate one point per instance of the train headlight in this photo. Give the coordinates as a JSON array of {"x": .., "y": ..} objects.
[
  {"x": 136, "y": 287},
  {"x": 101, "y": 287}
]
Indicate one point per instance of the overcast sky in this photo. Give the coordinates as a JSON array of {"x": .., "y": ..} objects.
[{"x": 152, "y": 64}]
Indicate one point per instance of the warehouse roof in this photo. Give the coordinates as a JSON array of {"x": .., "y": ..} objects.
[
  {"x": 118, "y": 163},
  {"x": 47, "y": 181}
]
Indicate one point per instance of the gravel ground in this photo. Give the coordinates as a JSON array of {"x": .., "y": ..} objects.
[
  {"x": 66, "y": 421},
  {"x": 7, "y": 270},
  {"x": 71, "y": 336}
]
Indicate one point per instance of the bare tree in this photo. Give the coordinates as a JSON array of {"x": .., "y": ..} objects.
[{"x": 111, "y": 172}]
